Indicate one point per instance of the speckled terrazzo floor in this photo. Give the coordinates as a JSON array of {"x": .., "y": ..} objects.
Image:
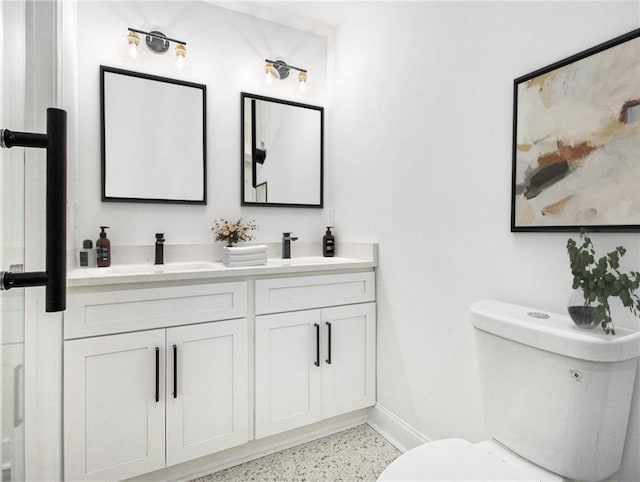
[{"x": 356, "y": 454}]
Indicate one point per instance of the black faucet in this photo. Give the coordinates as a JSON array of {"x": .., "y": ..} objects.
[
  {"x": 159, "y": 248},
  {"x": 286, "y": 245}
]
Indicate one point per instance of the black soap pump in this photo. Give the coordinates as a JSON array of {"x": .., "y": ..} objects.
[
  {"x": 328, "y": 244},
  {"x": 103, "y": 249}
]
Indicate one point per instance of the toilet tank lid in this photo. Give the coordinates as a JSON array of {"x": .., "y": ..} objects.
[{"x": 553, "y": 332}]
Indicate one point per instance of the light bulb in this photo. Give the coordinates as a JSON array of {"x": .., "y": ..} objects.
[
  {"x": 268, "y": 78},
  {"x": 269, "y": 73},
  {"x": 133, "y": 51},
  {"x": 302, "y": 81},
  {"x": 181, "y": 53},
  {"x": 133, "y": 40}
]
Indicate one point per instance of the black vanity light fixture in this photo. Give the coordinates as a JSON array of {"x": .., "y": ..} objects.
[
  {"x": 279, "y": 69},
  {"x": 157, "y": 42}
]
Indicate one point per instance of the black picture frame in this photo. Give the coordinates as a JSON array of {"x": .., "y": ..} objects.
[{"x": 558, "y": 152}]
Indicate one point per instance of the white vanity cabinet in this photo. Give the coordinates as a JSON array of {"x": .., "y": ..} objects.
[
  {"x": 314, "y": 363},
  {"x": 177, "y": 372},
  {"x": 137, "y": 402}
]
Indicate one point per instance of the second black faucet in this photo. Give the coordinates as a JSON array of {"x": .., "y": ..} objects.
[
  {"x": 286, "y": 245},
  {"x": 159, "y": 248}
]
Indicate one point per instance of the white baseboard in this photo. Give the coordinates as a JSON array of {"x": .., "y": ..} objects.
[{"x": 398, "y": 432}]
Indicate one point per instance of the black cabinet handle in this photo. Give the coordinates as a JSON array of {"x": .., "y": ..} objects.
[
  {"x": 317, "y": 362},
  {"x": 328, "y": 360},
  {"x": 157, "y": 374},
  {"x": 175, "y": 371}
]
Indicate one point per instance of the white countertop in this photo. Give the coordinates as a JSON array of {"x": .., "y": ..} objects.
[{"x": 203, "y": 270}]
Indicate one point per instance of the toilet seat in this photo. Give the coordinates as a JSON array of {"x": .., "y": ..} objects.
[{"x": 459, "y": 460}]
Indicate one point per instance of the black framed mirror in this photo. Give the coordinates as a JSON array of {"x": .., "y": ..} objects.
[
  {"x": 154, "y": 146},
  {"x": 282, "y": 152}
]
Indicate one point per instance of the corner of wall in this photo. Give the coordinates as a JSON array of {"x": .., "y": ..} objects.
[{"x": 398, "y": 432}]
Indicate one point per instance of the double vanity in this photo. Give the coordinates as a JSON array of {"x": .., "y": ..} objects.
[{"x": 165, "y": 364}]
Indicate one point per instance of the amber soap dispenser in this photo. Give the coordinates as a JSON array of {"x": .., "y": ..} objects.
[{"x": 103, "y": 249}]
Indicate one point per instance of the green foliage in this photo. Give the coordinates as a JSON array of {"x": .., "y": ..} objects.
[{"x": 602, "y": 279}]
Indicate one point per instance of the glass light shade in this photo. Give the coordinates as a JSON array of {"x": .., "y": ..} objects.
[
  {"x": 134, "y": 40},
  {"x": 133, "y": 51},
  {"x": 302, "y": 81},
  {"x": 269, "y": 73},
  {"x": 181, "y": 53}
]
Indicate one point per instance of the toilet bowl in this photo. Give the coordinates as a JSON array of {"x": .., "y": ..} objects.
[{"x": 456, "y": 459}]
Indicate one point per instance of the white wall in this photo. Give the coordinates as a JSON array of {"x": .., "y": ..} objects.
[
  {"x": 226, "y": 51},
  {"x": 420, "y": 146}
]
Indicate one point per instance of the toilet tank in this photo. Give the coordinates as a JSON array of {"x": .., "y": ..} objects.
[{"x": 556, "y": 394}]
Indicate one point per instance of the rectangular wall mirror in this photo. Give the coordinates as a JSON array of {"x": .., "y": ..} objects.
[
  {"x": 282, "y": 152},
  {"x": 153, "y": 138}
]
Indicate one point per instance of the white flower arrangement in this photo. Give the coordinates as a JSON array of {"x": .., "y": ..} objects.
[{"x": 233, "y": 232}]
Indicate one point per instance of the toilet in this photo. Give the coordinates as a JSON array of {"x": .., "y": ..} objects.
[{"x": 556, "y": 402}]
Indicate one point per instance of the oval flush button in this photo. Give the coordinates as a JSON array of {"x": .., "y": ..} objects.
[{"x": 539, "y": 315}]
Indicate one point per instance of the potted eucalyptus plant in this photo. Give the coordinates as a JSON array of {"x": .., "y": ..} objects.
[{"x": 595, "y": 281}]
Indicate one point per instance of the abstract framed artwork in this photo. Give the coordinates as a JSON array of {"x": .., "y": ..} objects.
[{"x": 576, "y": 142}]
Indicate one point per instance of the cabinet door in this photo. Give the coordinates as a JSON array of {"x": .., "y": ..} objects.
[
  {"x": 114, "y": 406},
  {"x": 207, "y": 389},
  {"x": 287, "y": 373},
  {"x": 348, "y": 361}
]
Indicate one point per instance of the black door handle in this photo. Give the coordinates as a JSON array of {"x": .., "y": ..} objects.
[
  {"x": 317, "y": 362},
  {"x": 157, "y": 374},
  {"x": 55, "y": 276},
  {"x": 175, "y": 371},
  {"x": 328, "y": 360}
]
